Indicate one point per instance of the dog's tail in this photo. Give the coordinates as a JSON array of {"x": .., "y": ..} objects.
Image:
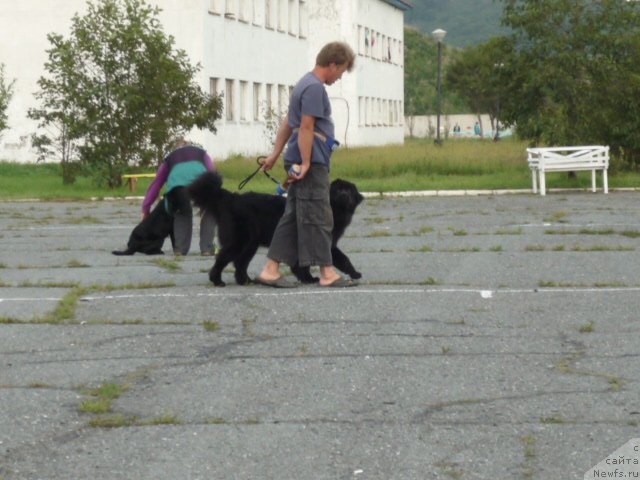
[{"x": 205, "y": 190}]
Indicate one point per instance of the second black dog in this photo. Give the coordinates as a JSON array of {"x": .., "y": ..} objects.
[
  {"x": 149, "y": 235},
  {"x": 247, "y": 221}
]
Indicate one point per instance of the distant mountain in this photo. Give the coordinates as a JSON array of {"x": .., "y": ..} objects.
[{"x": 467, "y": 22}]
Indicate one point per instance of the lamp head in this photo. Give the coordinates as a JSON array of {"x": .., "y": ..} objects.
[{"x": 438, "y": 34}]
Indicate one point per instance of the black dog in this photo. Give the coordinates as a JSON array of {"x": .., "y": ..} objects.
[
  {"x": 247, "y": 221},
  {"x": 149, "y": 235}
]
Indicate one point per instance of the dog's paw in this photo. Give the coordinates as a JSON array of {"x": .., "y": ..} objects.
[
  {"x": 355, "y": 275},
  {"x": 242, "y": 279},
  {"x": 216, "y": 279},
  {"x": 310, "y": 279}
]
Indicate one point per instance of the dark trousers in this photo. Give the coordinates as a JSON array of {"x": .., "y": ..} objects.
[{"x": 180, "y": 208}]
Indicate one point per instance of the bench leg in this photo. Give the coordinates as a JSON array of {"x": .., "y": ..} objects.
[
  {"x": 605, "y": 182},
  {"x": 593, "y": 181},
  {"x": 132, "y": 184},
  {"x": 543, "y": 184},
  {"x": 534, "y": 181}
]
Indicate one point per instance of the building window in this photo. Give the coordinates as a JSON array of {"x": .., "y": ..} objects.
[
  {"x": 282, "y": 15},
  {"x": 257, "y": 101},
  {"x": 244, "y": 10},
  {"x": 270, "y": 13},
  {"x": 303, "y": 19},
  {"x": 294, "y": 17},
  {"x": 244, "y": 100},
  {"x": 258, "y": 12},
  {"x": 269, "y": 101},
  {"x": 216, "y": 6},
  {"x": 231, "y": 9},
  {"x": 229, "y": 101},
  {"x": 214, "y": 86},
  {"x": 367, "y": 111},
  {"x": 283, "y": 100}
]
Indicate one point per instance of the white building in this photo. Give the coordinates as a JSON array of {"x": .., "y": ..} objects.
[{"x": 253, "y": 51}]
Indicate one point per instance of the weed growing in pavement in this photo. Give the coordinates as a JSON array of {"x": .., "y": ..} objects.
[
  {"x": 112, "y": 421},
  {"x": 39, "y": 385},
  {"x": 168, "y": 265},
  {"x": 556, "y": 217},
  {"x": 422, "y": 231},
  {"x": 554, "y": 419},
  {"x": 87, "y": 219},
  {"x": 65, "y": 310},
  {"x": 424, "y": 249},
  {"x": 586, "y": 328},
  {"x": 378, "y": 233},
  {"x": 506, "y": 231},
  {"x": 76, "y": 264},
  {"x": 102, "y": 398},
  {"x": 602, "y": 248},
  {"x": 211, "y": 326},
  {"x": 167, "y": 419},
  {"x": 375, "y": 220}
]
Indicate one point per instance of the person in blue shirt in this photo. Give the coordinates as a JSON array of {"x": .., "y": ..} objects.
[
  {"x": 181, "y": 167},
  {"x": 303, "y": 235}
]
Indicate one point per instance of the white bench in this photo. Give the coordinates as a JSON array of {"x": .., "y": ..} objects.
[{"x": 568, "y": 159}]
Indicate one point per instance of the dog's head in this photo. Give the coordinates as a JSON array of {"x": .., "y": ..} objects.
[
  {"x": 205, "y": 189},
  {"x": 345, "y": 196}
]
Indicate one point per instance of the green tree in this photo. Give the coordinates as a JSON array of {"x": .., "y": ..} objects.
[
  {"x": 117, "y": 93},
  {"x": 478, "y": 77},
  {"x": 421, "y": 73},
  {"x": 6, "y": 92},
  {"x": 575, "y": 78}
]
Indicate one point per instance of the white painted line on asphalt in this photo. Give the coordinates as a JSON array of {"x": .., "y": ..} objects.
[
  {"x": 83, "y": 227},
  {"x": 32, "y": 299},
  {"x": 569, "y": 227},
  {"x": 359, "y": 291},
  {"x": 486, "y": 294}
]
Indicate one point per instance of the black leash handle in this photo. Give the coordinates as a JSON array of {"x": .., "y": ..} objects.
[{"x": 246, "y": 180}]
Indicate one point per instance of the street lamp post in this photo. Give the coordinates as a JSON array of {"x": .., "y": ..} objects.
[
  {"x": 498, "y": 67},
  {"x": 438, "y": 35}
]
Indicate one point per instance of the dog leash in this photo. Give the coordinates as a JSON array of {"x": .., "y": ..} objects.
[{"x": 246, "y": 180}]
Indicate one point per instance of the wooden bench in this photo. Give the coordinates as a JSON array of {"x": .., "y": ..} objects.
[
  {"x": 133, "y": 179},
  {"x": 568, "y": 159}
]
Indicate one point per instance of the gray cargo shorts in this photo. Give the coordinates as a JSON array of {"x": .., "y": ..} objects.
[{"x": 303, "y": 234}]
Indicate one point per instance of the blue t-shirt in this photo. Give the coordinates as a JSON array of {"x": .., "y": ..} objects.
[{"x": 309, "y": 97}]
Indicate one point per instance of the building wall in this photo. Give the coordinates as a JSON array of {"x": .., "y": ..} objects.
[
  {"x": 252, "y": 51},
  {"x": 253, "y": 56},
  {"x": 379, "y": 41},
  {"x": 23, "y": 44}
]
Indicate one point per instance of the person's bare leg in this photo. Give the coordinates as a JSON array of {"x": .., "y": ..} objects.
[
  {"x": 271, "y": 270},
  {"x": 328, "y": 275}
]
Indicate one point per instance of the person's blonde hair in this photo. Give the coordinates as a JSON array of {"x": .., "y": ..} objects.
[{"x": 338, "y": 53}]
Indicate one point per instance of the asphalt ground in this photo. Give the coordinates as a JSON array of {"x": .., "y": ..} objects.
[{"x": 491, "y": 337}]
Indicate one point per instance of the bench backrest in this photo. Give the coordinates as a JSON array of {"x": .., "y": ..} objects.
[{"x": 595, "y": 156}]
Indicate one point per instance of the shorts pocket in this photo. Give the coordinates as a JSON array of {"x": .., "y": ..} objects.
[{"x": 315, "y": 212}]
